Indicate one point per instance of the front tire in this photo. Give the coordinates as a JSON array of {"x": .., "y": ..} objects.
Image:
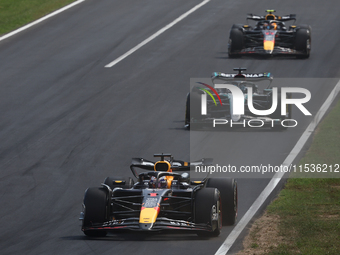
[{"x": 208, "y": 211}]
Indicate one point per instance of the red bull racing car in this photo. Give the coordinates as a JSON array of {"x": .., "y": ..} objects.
[
  {"x": 163, "y": 198},
  {"x": 270, "y": 36}
]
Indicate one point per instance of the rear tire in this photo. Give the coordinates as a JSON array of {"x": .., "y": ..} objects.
[
  {"x": 95, "y": 201},
  {"x": 208, "y": 211},
  {"x": 236, "y": 42},
  {"x": 193, "y": 110},
  {"x": 237, "y": 26},
  {"x": 110, "y": 181},
  {"x": 228, "y": 191},
  {"x": 304, "y": 26},
  {"x": 187, "y": 112},
  {"x": 303, "y": 42}
]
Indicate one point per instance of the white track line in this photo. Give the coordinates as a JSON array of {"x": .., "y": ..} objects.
[
  {"x": 40, "y": 20},
  {"x": 278, "y": 176},
  {"x": 159, "y": 32}
]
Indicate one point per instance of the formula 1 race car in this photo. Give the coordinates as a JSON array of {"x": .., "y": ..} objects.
[
  {"x": 214, "y": 105},
  {"x": 270, "y": 36},
  {"x": 163, "y": 198}
]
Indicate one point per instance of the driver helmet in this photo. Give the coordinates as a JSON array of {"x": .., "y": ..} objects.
[
  {"x": 162, "y": 183},
  {"x": 274, "y": 25}
]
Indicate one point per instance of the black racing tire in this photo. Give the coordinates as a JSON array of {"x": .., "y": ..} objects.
[
  {"x": 304, "y": 26},
  {"x": 229, "y": 198},
  {"x": 303, "y": 42},
  {"x": 237, "y": 26},
  {"x": 109, "y": 181},
  {"x": 95, "y": 202},
  {"x": 193, "y": 110},
  {"x": 236, "y": 42},
  {"x": 277, "y": 113},
  {"x": 187, "y": 112},
  {"x": 208, "y": 207}
]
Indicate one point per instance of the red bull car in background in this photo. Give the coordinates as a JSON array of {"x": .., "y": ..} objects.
[
  {"x": 163, "y": 198},
  {"x": 270, "y": 36}
]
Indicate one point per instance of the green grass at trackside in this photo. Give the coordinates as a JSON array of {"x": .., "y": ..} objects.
[
  {"x": 309, "y": 209},
  {"x": 16, "y": 13}
]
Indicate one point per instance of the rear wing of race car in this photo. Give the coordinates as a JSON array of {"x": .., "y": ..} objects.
[
  {"x": 287, "y": 17},
  {"x": 235, "y": 76},
  {"x": 241, "y": 77},
  {"x": 255, "y": 17},
  {"x": 176, "y": 165},
  {"x": 251, "y": 16}
]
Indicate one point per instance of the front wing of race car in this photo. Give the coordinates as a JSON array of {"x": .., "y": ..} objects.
[
  {"x": 276, "y": 51},
  {"x": 161, "y": 223}
]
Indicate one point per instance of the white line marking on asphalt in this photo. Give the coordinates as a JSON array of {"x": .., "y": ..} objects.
[
  {"x": 40, "y": 20},
  {"x": 159, "y": 32},
  {"x": 224, "y": 248}
]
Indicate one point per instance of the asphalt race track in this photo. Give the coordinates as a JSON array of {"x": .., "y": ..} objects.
[{"x": 67, "y": 122}]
